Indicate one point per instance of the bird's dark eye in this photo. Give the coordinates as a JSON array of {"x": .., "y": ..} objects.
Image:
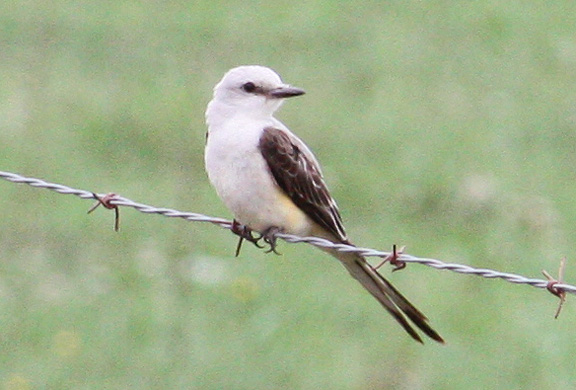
[{"x": 249, "y": 87}]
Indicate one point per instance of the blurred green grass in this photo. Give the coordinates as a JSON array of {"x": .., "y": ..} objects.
[{"x": 447, "y": 127}]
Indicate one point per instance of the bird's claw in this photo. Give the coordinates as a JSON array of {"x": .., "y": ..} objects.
[
  {"x": 245, "y": 233},
  {"x": 269, "y": 237}
]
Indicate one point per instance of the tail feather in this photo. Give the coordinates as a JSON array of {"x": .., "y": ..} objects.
[
  {"x": 405, "y": 306},
  {"x": 388, "y": 296}
]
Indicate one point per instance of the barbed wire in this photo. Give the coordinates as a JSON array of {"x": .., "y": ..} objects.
[{"x": 554, "y": 286}]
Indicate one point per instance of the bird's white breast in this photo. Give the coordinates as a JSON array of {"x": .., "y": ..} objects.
[{"x": 243, "y": 180}]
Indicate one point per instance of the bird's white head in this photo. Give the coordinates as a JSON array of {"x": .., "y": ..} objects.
[{"x": 253, "y": 89}]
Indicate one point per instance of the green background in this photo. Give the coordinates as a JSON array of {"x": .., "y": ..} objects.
[{"x": 448, "y": 127}]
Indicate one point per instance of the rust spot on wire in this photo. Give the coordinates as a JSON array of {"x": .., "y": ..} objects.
[{"x": 106, "y": 201}]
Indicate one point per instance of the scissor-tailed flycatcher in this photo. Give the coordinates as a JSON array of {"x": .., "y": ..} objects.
[{"x": 272, "y": 182}]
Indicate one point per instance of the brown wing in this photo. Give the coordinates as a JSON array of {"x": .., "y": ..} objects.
[{"x": 298, "y": 174}]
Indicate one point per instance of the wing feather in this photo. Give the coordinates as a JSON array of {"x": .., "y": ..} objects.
[{"x": 297, "y": 173}]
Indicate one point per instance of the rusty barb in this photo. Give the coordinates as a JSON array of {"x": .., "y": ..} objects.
[
  {"x": 552, "y": 283},
  {"x": 106, "y": 201}
]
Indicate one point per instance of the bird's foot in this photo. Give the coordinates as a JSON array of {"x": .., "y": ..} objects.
[
  {"x": 393, "y": 259},
  {"x": 245, "y": 233},
  {"x": 269, "y": 236}
]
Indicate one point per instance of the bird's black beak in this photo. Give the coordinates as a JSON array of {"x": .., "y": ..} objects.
[{"x": 285, "y": 92}]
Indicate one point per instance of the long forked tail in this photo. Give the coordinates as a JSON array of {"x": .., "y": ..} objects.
[{"x": 388, "y": 296}]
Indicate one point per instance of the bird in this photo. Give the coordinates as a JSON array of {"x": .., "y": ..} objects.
[{"x": 272, "y": 183}]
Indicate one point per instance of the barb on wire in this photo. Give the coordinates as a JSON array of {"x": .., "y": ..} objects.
[
  {"x": 105, "y": 202},
  {"x": 552, "y": 282},
  {"x": 398, "y": 256}
]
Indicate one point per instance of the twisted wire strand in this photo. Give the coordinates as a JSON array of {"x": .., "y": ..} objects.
[{"x": 315, "y": 241}]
